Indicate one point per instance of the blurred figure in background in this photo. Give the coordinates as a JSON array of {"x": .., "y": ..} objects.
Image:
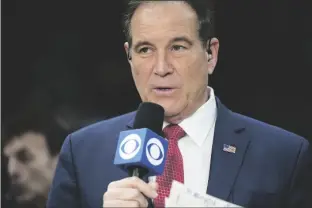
[{"x": 31, "y": 146}]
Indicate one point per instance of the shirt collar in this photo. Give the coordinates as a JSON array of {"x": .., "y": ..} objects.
[{"x": 198, "y": 125}]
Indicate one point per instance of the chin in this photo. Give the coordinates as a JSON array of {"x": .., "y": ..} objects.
[
  {"x": 25, "y": 197},
  {"x": 171, "y": 109},
  {"x": 172, "y": 105}
]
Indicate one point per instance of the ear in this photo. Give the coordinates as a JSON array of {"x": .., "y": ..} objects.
[
  {"x": 127, "y": 49},
  {"x": 212, "y": 54}
]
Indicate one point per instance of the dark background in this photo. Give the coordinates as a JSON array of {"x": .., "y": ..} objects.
[{"x": 67, "y": 57}]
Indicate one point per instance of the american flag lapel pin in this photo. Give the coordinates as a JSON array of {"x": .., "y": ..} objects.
[{"x": 229, "y": 148}]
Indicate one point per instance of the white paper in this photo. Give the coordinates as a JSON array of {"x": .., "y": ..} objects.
[{"x": 181, "y": 196}]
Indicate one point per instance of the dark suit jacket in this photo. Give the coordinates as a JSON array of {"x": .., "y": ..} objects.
[{"x": 269, "y": 169}]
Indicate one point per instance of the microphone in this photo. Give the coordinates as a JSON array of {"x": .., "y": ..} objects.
[{"x": 142, "y": 151}]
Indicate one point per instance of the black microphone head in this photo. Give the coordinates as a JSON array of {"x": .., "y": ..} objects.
[{"x": 151, "y": 116}]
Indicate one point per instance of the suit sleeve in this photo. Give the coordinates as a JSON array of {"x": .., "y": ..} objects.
[
  {"x": 64, "y": 191},
  {"x": 300, "y": 194}
]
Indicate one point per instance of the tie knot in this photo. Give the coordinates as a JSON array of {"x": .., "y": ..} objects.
[{"x": 174, "y": 132}]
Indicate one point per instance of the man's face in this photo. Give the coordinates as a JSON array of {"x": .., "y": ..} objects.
[
  {"x": 169, "y": 62},
  {"x": 30, "y": 166}
]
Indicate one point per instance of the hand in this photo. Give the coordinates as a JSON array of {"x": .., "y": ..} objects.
[{"x": 128, "y": 192}]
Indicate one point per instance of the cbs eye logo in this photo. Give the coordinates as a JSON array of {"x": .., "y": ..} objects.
[
  {"x": 155, "y": 151},
  {"x": 130, "y": 146}
]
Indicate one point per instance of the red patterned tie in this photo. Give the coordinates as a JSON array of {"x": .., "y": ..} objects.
[{"x": 173, "y": 167}]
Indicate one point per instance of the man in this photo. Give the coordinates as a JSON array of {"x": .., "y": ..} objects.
[
  {"x": 238, "y": 159},
  {"x": 31, "y": 148}
]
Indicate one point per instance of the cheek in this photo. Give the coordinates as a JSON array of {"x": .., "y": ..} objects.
[
  {"x": 39, "y": 175},
  {"x": 195, "y": 74},
  {"x": 136, "y": 71},
  {"x": 141, "y": 73},
  {"x": 25, "y": 173},
  {"x": 38, "y": 165},
  {"x": 17, "y": 167},
  {"x": 35, "y": 171}
]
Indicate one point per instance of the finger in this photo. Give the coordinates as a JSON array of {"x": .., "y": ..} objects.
[
  {"x": 144, "y": 188},
  {"x": 126, "y": 194},
  {"x": 123, "y": 183},
  {"x": 134, "y": 182},
  {"x": 121, "y": 203},
  {"x": 154, "y": 185}
]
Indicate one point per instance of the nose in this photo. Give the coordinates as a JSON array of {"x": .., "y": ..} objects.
[
  {"x": 162, "y": 67},
  {"x": 13, "y": 170}
]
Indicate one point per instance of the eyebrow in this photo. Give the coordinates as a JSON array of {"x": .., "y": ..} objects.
[
  {"x": 182, "y": 39},
  {"x": 176, "y": 39},
  {"x": 140, "y": 43}
]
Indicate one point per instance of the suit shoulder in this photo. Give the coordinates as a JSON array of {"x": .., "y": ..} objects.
[
  {"x": 104, "y": 127},
  {"x": 265, "y": 130}
]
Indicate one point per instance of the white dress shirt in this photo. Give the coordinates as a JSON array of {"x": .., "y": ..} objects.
[{"x": 196, "y": 145}]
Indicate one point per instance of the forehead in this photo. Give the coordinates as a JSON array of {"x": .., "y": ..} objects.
[
  {"x": 32, "y": 141},
  {"x": 163, "y": 19}
]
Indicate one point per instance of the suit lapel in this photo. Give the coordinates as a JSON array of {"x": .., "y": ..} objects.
[
  {"x": 225, "y": 166},
  {"x": 131, "y": 121}
]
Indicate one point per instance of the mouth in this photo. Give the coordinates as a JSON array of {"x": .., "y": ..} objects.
[
  {"x": 16, "y": 190},
  {"x": 164, "y": 90}
]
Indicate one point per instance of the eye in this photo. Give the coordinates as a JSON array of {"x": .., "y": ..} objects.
[
  {"x": 144, "y": 50},
  {"x": 23, "y": 155},
  {"x": 178, "y": 47}
]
